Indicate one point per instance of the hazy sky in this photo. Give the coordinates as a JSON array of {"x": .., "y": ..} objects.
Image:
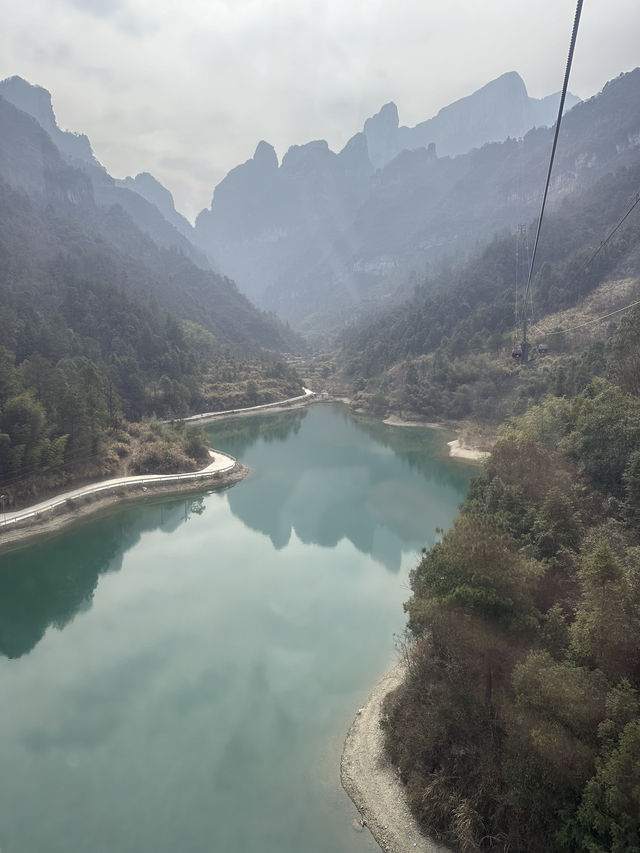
[{"x": 186, "y": 90}]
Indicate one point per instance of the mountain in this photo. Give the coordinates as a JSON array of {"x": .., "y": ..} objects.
[
  {"x": 61, "y": 228},
  {"x": 152, "y": 190},
  {"x": 445, "y": 352},
  {"x": 145, "y": 200},
  {"x": 495, "y": 112},
  {"x": 323, "y": 237},
  {"x": 270, "y": 223},
  {"x": 100, "y": 325}
]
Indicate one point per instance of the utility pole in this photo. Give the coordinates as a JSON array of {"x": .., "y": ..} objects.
[
  {"x": 522, "y": 238},
  {"x": 525, "y": 342},
  {"x": 4, "y": 514}
]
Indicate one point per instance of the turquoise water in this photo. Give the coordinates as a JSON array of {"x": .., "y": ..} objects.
[{"x": 180, "y": 675}]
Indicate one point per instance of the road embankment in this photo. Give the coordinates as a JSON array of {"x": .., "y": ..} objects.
[{"x": 56, "y": 513}]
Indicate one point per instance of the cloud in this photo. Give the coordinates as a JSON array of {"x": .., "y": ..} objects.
[{"x": 186, "y": 91}]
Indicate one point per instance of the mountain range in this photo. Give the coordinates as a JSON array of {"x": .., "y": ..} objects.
[
  {"x": 76, "y": 212},
  {"x": 321, "y": 238}
]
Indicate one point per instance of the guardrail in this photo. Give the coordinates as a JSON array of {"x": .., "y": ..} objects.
[{"x": 125, "y": 482}]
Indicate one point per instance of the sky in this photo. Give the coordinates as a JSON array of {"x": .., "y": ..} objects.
[{"x": 186, "y": 90}]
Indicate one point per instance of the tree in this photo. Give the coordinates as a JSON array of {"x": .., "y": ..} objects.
[
  {"x": 606, "y": 432},
  {"x": 602, "y": 634},
  {"x": 609, "y": 815},
  {"x": 631, "y": 480},
  {"x": 557, "y": 525}
]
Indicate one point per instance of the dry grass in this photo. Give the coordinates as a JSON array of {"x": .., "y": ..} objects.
[{"x": 608, "y": 297}]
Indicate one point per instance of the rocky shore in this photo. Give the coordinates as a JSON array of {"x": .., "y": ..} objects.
[{"x": 373, "y": 784}]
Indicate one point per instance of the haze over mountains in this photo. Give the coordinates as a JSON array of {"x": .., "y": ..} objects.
[
  {"x": 498, "y": 110},
  {"x": 314, "y": 238},
  {"x": 149, "y": 205},
  {"x": 322, "y": 237},
  {"x": 79, "y": 215}
]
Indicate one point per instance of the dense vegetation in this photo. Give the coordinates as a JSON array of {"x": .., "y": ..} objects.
[
  {"x": 518, "y": 726},
  {"x": 68, "y": 407},
  {"x": 83, "y": 353},
  {"x": 101, "y": 328},
  {"x": 445, "y": 353}
]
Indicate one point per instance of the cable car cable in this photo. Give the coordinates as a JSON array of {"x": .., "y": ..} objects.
[
  {"x": 565, "y": 85},
  {"x": 606, "y": 240},
  {"x": 635, "y": 203},
  {"x": 590, "y": 322}
]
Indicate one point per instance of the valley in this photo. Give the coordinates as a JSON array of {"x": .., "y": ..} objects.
[{"x": 392, "y": 281}]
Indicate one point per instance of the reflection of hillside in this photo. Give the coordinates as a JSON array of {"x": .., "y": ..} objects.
[
  {"x": 335, "y": 478},
  {"x": 421, "y": 449},
  {"x": 48, "y": 583},
  {"x": 236, "y": 434},
  {"x": 315, "y": 471}
]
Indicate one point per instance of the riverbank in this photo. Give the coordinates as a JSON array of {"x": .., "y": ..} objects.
[
  {"x": 279, "y": 406},
  {"x": 371, "y": 781},
  {"x": 458, "y": 451},
  {"x": 54, "y": 515},
  {"x": 470, "y": 445}
]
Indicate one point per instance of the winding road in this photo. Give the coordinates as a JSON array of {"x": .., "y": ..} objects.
[{"x": 220, "y": 463}]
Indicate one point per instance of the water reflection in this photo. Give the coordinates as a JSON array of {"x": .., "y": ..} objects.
[
  {"x": 315, "y": 471},
  {"x": 48, "y": 583},
  {"x": 384, "y": 489},
  {"x": 199, "y": 698}
]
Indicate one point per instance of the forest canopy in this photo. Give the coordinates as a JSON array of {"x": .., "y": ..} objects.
[{"x": 518, "y": 726}]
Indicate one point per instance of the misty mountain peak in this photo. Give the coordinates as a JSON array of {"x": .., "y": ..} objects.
[
  {"x": 149, "y": 187},
  {"x": 355, "y": 155},
  {"x": 36, "y": 102},
  {"x": 509, "y": 81},
  {"x": 381, "y": 131},
  {"x": 265, "y": 155},
  {"x": 499, "y": 109},
  {"x": 386, "y": 118},
  {"x": 307, "y": 157}
]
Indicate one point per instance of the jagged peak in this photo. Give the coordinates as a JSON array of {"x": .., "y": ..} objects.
[
  {"x": 150, "y": 188},
  {"x": 265, "y": 155},
  {"x": 36, "y": 101},
  {"x": 31, "y": 98},
  {"x": 314, "y": 151},
  {"x": 355, "y": 154},
  {"x": 357, "y": 143},
  {"x": 387, "y": 116}
]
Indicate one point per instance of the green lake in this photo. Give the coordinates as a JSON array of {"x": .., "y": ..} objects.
[{"x": 179, "y": 675}]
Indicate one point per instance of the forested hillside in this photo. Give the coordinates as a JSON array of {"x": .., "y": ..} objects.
[
  {"x": 518, "y": 726},
  {"x": 81, "y": 356},
  {"x": 446, "y": 352},
  {"x": 101, "y": 327}
]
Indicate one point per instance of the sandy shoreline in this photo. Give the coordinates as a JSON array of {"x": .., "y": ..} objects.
[
  {"x": 457, "y": 448},
  {"x": 394, "y": 420},
  {"x": 366, "y": 774},
  {"x": 458, "y": 451},
  {"x": 372, "y": 783}
]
